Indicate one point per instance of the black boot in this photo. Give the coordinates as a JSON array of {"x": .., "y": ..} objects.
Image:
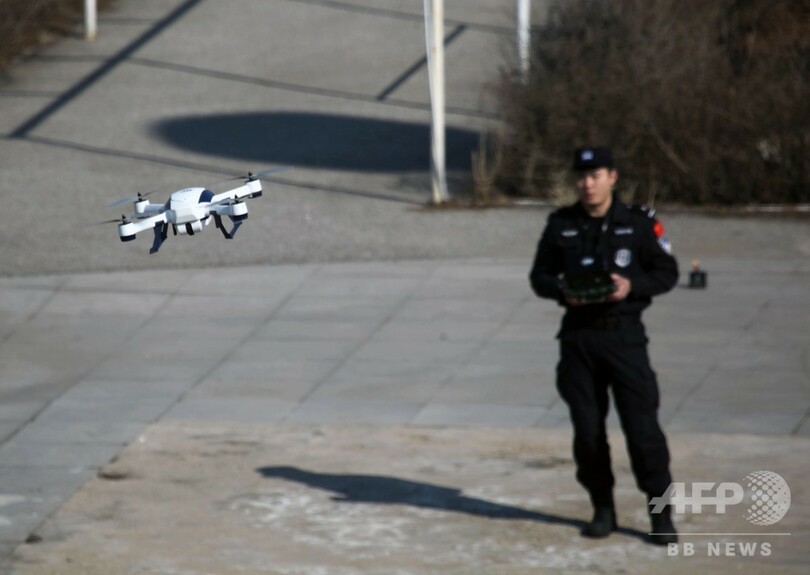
[
  {"x": 663, "y": 529},
  {"x": 603, "y": 522}
]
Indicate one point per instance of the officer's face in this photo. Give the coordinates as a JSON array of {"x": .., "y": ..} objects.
[{"x": 595, "y": 187}]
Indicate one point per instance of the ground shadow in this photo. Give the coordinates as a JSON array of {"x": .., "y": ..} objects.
[
  {"x": 317, "y": 141},
  {"x": 383, "y": 490}
]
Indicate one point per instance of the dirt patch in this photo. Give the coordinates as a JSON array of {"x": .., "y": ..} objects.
[{"x": 226, "y": 499}]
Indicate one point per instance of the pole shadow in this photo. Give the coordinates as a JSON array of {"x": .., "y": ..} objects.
[
  {"x": 315, "y": 140},
  {"x": 384, "y": 490}
]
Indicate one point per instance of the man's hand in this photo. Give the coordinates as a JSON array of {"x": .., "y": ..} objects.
[
  {"x": 572, "y": 301},
  {"x": 623, "y": 287}
]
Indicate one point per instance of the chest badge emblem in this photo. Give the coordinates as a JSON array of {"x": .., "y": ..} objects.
[{"x": 623, "y": 257}]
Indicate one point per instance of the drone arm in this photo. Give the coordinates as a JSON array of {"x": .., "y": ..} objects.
[
  {"x": 236, "y": 211},
  {"x": 251, "y": 189},
  {"x": 150, "y": 209},
  {"x": 129, "y": 229}
]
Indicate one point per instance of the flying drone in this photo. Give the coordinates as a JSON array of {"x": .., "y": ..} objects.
[{"x": 189, "y": 211}]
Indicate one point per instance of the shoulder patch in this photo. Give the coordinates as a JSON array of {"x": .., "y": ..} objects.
[
  {"x": 661, "y": 236},
  {"x": 657, "y": 227}
]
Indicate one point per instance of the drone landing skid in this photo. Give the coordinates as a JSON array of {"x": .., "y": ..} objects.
[
  {"x": 228, "y": 234},
  {"x": 161, "y": 233}
]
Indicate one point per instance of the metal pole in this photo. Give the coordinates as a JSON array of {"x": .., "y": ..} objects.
[
  {"x": 523, "y": 36},
  {"x": 89, "y": 19},
  {"x": 434, "y": 30}
]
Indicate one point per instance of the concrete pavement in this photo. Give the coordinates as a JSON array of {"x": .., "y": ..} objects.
[
  {"x": 342, "y": 303},
  {"x": 90, "y": 361}
]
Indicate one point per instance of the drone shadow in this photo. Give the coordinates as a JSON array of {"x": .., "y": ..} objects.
[
  {"x": 383, "y": 490},
  {"x": 317, "y": 140}
]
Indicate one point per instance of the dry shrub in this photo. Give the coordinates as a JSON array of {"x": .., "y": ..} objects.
[
  {"x": 703, "y": 102},
  {"x": 486, "y": 163},
  {"x": 28, "y": 23}
]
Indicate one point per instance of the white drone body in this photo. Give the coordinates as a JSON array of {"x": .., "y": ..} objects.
[{"x": 189, "y": 211}]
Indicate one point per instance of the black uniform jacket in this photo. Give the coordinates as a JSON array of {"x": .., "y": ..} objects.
[{"x": 633, "y": 246}]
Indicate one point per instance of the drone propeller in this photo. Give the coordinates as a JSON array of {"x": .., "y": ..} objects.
[
  {"x": 258, "y": 175},
  {"x": 122, "y": 220},
  {"x": 130, "y": 199}
]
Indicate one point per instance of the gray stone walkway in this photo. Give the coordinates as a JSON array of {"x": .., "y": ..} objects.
[{"x": 435, "y": 343}]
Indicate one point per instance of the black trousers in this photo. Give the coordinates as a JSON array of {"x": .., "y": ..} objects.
[{"x": 591, "y": 361}]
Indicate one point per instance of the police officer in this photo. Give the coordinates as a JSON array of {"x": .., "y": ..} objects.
[{"x": 603, "y": 344}]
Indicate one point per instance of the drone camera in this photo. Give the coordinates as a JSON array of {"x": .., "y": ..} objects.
[{"x": 189, "y": 228}]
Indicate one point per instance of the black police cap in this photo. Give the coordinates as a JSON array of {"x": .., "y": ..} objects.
[{"x": 592, "y": 158}]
